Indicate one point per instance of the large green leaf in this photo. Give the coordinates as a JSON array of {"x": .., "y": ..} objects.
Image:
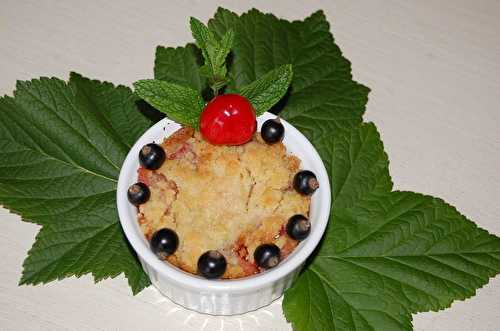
[
  {"x": 388, "y": 256},
  {"x": 323, "y": 96},
  {"x": 180, "y": 65},
  {"x": 357, "y": 164},
  {"x": 61, "y": 148}
]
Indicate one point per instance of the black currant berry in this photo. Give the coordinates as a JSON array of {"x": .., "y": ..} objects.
[
  {"x": 305, "y": 182},
  {"x": 272, "y": 131},
  {"x": 267, "y": 256},
  {"x": 138, "y": 193},
  {"x": 151, "y": 156},
  {"x": 164, "y": 242},
  {"x": 212, "y": 264},
  {"x": 298, "y": 227}
]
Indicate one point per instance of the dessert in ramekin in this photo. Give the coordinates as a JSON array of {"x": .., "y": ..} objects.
[{"x": 227, "y": 296}]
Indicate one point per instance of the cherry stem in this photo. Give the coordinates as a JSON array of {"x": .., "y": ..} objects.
[
  {"x": 216, "y": 91},
  {"x": 313, "y": 183}
]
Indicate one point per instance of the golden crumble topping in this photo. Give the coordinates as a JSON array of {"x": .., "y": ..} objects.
[{"x": 225, "y": 198}]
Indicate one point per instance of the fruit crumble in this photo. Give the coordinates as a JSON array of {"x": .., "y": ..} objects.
[{"x": 227, "y": 200}]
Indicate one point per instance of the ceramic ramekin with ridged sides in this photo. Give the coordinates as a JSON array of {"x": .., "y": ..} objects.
[{"x": 224, "y": 297}]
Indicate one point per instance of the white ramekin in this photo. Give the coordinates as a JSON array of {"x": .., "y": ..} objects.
[{"x": 224, "y": 297}]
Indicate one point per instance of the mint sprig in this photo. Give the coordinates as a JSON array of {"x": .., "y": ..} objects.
[
  {"x": 214, "y": 53},
  {"x": 184, "y": 104}
]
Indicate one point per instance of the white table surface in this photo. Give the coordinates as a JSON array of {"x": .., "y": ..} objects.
[{"x": 433, "y": 67}]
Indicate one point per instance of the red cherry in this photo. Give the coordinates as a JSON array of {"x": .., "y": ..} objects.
[{"x": 228, "y": 119}]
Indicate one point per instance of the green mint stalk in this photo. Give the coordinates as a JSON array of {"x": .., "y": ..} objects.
[
  {"x": 214, "y": 53},
  {"x": 184, "y": 104}
]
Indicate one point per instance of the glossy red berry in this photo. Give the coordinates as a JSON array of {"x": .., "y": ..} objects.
[{"x": 228, "y": 119}]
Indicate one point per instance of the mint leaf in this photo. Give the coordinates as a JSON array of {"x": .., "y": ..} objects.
[
  {"x": 181, "y": 66},
  {"x": 388, "y": 256},
  {"x": 208, "y": 45},
  {"x": 323, "y": 97},
  {"x": 203, "y": 37},
  {"x": 214, "y": 52},
  {"x": 223, "y": 51},
  {"x": 182, "y": 104},
  {"x": 61, "y": 148},
  {"x": 266, "y": 91}
]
